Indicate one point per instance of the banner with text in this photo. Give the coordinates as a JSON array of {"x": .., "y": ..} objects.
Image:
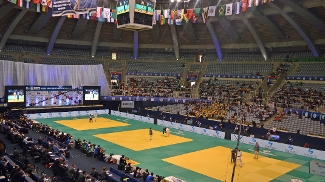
[
  {"x": 233, "y": 76},
  {"x": 152, "y": 99},
  {"x": 66, "y": 114},
  {"x": 317, "y": 167},
  {"x": 305, "y": 78},
  {"x": 307, "y": 152},
  {"x": 194, "y": 129},
  {"x": 133, "y": 116},
  {"x": 72, "y": 7}
]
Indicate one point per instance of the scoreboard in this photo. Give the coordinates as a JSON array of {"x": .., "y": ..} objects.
[{"x": 135, "y": 14}]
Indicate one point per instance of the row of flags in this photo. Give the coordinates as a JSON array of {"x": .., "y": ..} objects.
[
  {"x": 166, "y": 16},
  {"x": 178, "y": 17},
  {"x": 101, "y": 15},
  {"x": 39, "y": 5}
]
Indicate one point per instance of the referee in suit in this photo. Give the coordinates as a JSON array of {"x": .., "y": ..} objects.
[{"x": 234, "y": 154}]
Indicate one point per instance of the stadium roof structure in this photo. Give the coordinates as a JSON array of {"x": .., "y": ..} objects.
[{"x": 278, "y": 24}]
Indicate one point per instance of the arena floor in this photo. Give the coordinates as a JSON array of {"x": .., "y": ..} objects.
[{"x": 188, "y": 156}]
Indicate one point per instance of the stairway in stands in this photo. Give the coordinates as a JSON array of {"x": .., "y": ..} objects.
[
  {"x": 200, "y": 75},
  {"x": 185, "y": 72},
  {"x": 123, "y": 64}
]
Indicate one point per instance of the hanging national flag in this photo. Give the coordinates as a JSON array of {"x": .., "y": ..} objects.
[
  {"x": 101, "y": 18},
  {"x": 20, "y": 3},
  {"x": 158, "y": 15},
  {"x": 189, "y": 15},
  {"x": 27, "y": 4},
  {"x": 37, "y": 7},
  {"x": 106, "y": 12},
  {"x": 264, "y": 1},
  {"x": 173, "y": 14},
  {"x": 205, "y": 15},
  {"x": 212, "y": 11},
  {"x": 221, "y": 10},
  {"x": 36, "y": 1},
  {"x": 250, "y": 3},
  {"x": 257, "y": 2},
  {"x": 170, "y": 21},
  {"x": 195, "y": 18},
  {"x": 178, "y": 21},
  {"x": 229, "y": 9},
  {"x": 162, "y": 20},
  {"x": 114, "y": 16},
  {"x": 237, "y": 8},
  {"x": 244, "y": 5},
  {"x": 99, "y": 12},
  {"x": 76, "y": 16},
  {"x": 49, "y": 3},
  {"x": 271, "y": 0},
  {"x": 166, "y": 13}
]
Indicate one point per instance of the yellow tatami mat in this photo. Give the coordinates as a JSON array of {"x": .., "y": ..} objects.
[
  {"x": 215, "y": 163},
  {"x": 84, "y": 124},
  {"x": 139, "y": 139}
]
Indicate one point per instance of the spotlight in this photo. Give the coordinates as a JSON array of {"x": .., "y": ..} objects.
[{"x": 92, "y": 56}]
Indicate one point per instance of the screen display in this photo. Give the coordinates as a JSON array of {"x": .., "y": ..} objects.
[
  {"x": 91, "y": 94},
  {"x": 16, "y": 96},
  {"x": 144, "y": 6},
  {"x": 143, "y": 19},
  {"x": 275, "y": 137},
  {"x": 122, "y": 6},
  {"x": 123, "y": 18}
]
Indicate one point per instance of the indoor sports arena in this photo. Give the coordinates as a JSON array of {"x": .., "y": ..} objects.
[{"x": 162, "y": 91}]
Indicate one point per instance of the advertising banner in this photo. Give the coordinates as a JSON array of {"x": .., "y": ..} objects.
[
  {"x": 232, "y": 76},
  {"x": 152, "y": 99},
  {"x": 66, "y": 114},
  {"x": 72, "y": 7},
  {"x": 127, "y": 104},
  {"x": 152, "y": 74},
  {"x": 305, "y": 78},
  {"x": 194, "y": 129},
  {"x": 307, "y": 152},
  {"x": 133, "y": 116},
  {"x": 317, "y": 167},
  {"x": 116, "y": 76}
]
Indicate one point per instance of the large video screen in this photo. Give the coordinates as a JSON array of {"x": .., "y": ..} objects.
[
  {"x": 16, "y": 95},
  {"x": 144, "y": 6},
  {"x": 143, "y": 12},
  {"x": 122, "y": 6},
  {"x": 91, "y": 95}
]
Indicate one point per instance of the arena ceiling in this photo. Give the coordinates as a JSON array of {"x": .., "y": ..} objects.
[{"x": 276, "y": 25}]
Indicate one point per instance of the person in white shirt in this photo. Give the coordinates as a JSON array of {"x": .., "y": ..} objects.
[
  {"x": 167, "y": 132},
  {"x": 236, "y": 128},
  {"x": 239, "y": 154},
  {"x": 252, "y": 136},
  {"x": 95, "y": 116}
]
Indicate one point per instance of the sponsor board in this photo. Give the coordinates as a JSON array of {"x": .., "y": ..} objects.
[{"x": 296, "y": 150}]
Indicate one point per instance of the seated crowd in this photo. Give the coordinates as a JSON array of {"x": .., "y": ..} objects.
[
  {"x": 295, "y": 95},
  {"x": 53, "y": 150},
  {"x": 214, "y": 89},
  {"x": 153, "y": 87}
]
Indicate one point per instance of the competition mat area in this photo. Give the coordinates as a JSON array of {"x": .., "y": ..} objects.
[{"x": 189, "y": 156}]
